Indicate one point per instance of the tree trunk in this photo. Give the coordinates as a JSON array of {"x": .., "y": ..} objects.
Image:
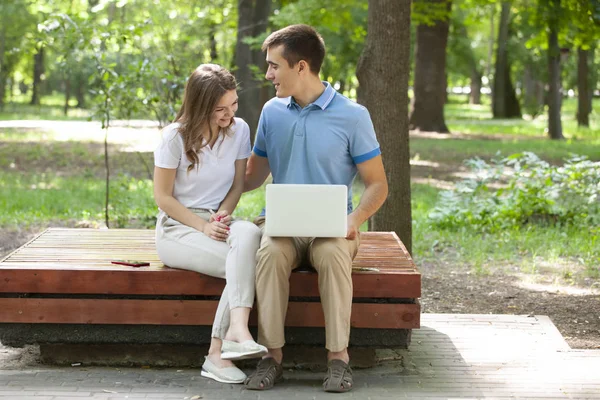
[
  {"x": 252, "y": 21},
  {"x": 488, "y": 63},
  {"x": 38, "y": 70},
  {"x": 213, "y": 43},
  {"x": 475, "y": 95},
  {"x": 533, "y": 91},
  {"x": 593, "y": 77},
  {"x": 80, "y": 92},
  {"x": 427, "y": 107},
  {"x": 382, "y": 72},
  {"x": 504, "y": 99},
  {"x": 554, "y": 92},
  {"x": 67, "y": 96},
  {"x": 3, "y": 71},
  {"x": 583, "y": 111}
]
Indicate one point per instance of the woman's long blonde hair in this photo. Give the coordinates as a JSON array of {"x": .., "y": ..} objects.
[{"x": 204, "y": 88}]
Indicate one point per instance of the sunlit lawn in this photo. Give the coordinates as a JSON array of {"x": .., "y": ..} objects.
[{"x": 477, "y": 119}]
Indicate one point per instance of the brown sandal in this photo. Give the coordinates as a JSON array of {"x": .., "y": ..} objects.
[
  {"x": 338, "y": 378},
  {"x": 268, "y": 372}
]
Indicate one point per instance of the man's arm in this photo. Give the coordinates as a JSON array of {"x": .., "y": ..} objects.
[
  {"x": 257, "y": 172},
  {"x": 372, "y": 174}
]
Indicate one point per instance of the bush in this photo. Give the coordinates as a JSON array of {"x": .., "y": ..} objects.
[{"x": 522, "y": 189}]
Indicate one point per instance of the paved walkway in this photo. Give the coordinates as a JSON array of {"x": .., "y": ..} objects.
[{"x": 451, "y": 357}]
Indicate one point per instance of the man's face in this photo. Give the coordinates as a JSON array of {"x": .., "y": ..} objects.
[{"x": 285, "y": 79}]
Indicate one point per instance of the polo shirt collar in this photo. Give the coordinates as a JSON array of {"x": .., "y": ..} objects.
[{"x": 323, "y": 100}]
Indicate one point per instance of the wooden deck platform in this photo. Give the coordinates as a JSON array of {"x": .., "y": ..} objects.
[{"x": 65, "y": 276}]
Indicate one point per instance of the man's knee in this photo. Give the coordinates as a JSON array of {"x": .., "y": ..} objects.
[
  {"x": 326, "y": 253},
  {"x": 275, "y": 253}
]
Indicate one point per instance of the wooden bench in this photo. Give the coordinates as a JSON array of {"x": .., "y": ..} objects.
[{"x": 64, "y": 276}]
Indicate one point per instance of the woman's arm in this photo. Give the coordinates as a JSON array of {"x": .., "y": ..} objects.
[
  {"x": 235, "y": 192},
  {"x": 164, "y": 179}
]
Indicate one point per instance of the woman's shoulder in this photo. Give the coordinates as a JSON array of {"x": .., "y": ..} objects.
[
  {"x": 240, "y": 124},
  {"x": 171, "y": 131}
]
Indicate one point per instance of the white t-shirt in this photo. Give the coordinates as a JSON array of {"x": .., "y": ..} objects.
[{"x": 207, "y": 184}]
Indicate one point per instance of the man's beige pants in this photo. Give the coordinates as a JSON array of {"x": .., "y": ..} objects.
[
  {"x": 331, "y": 257},
  {"x": 181, "y": 246}
]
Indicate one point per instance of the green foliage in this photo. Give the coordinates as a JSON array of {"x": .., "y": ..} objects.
[
  {"x": 523, "y": 189},
  {"x": 132, "y": 203},
  {"x": 342, "y": 23}
]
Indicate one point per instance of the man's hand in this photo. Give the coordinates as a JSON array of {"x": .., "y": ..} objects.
[
  {"x": 221, "y": 216},
  {"x": 353, "y": 227},
  {"x": 216, "y": 230}
]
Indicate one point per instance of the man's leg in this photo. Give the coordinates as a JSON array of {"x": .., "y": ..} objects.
[
  {"x": 276, "y": 259},
  {"x": 332, "y": 258}
]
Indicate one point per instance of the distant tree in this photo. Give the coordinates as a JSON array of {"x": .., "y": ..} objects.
[
  {"x": 427, "y": 106},
  {"x": 383, "y": 71},
  {"x": 249, "y": 60},
  {"x": 504, "y": 99}
]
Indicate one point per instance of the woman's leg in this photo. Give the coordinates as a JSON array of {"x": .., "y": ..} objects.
[
  {"x": 240, "y": 269},
  {"x": 183, "y": 247}
]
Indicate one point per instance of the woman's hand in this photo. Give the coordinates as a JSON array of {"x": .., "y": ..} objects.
[
  {"x": 221, "y": 216},
  {"x": 216, "y": 230}
]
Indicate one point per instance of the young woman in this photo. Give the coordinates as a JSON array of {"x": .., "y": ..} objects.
[{"x": 198, "y": 180}]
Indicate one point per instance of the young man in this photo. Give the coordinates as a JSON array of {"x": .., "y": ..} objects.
[{"x": 310, "y": 134}]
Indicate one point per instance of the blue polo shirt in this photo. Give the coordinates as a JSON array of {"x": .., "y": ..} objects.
[{"x": 318, "y": 144}]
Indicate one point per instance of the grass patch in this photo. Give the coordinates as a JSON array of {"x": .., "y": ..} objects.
[
  {"x": 477, "y": 120},
  {"x": 50, "y": 108},
  {"x": 455, "y": 151}
]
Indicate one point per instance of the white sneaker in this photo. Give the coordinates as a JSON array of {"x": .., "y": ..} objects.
[
  {"x": 240, "y": 351},
  {"x": 224, "y": 375}
]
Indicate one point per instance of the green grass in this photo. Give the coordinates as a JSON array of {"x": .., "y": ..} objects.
[
  {"x": 477, "y": 120},
  {"x": 455, "y": 151},
  {"x": 50, "y": 108}
]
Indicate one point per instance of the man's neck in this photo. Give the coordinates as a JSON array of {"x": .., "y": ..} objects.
[{"x": 311, "y": 92}]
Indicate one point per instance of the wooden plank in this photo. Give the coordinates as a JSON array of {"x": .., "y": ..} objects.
[
  {"x": 168, "y": 281},
  {"x": 78, "y": 261},
  {"x": 188, "y": 312}
]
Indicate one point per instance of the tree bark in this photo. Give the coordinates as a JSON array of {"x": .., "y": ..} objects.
[
  {"x": 3, "y": 71},
  {"x": 213, "y": 43},
  {"x": 427, "y": 107},
  {"x": 504, "y": 99},
  {"x": 252, "y": 21},
  {"x": 67, "y": 96},
  {"x": 554, "y": 92},
  {"x": 583, "y": 111},
  {"x": 38, "y": 70},
  {"x": 475, "y": 95},
  {"x": 593, "y": 77},
  {"x": 382, "y": 72},
  {"x": 80, "y": 88},
  {"x": 533, "y": 91}
]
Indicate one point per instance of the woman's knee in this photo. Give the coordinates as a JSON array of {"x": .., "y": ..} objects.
[{"x": 244, "y": 230}]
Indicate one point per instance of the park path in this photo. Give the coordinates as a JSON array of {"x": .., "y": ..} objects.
[
  {"x": 451, "y": 356},
  {"x": 134, "y": 135}
]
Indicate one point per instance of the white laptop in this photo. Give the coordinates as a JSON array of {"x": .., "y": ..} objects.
[{"x": 306, "y": 210}]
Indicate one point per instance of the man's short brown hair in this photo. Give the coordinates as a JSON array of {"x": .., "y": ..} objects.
[{"x": 300, "y": 42}]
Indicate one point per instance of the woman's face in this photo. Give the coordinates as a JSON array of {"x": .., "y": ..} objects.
[{"x": 225, "y": 109}]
